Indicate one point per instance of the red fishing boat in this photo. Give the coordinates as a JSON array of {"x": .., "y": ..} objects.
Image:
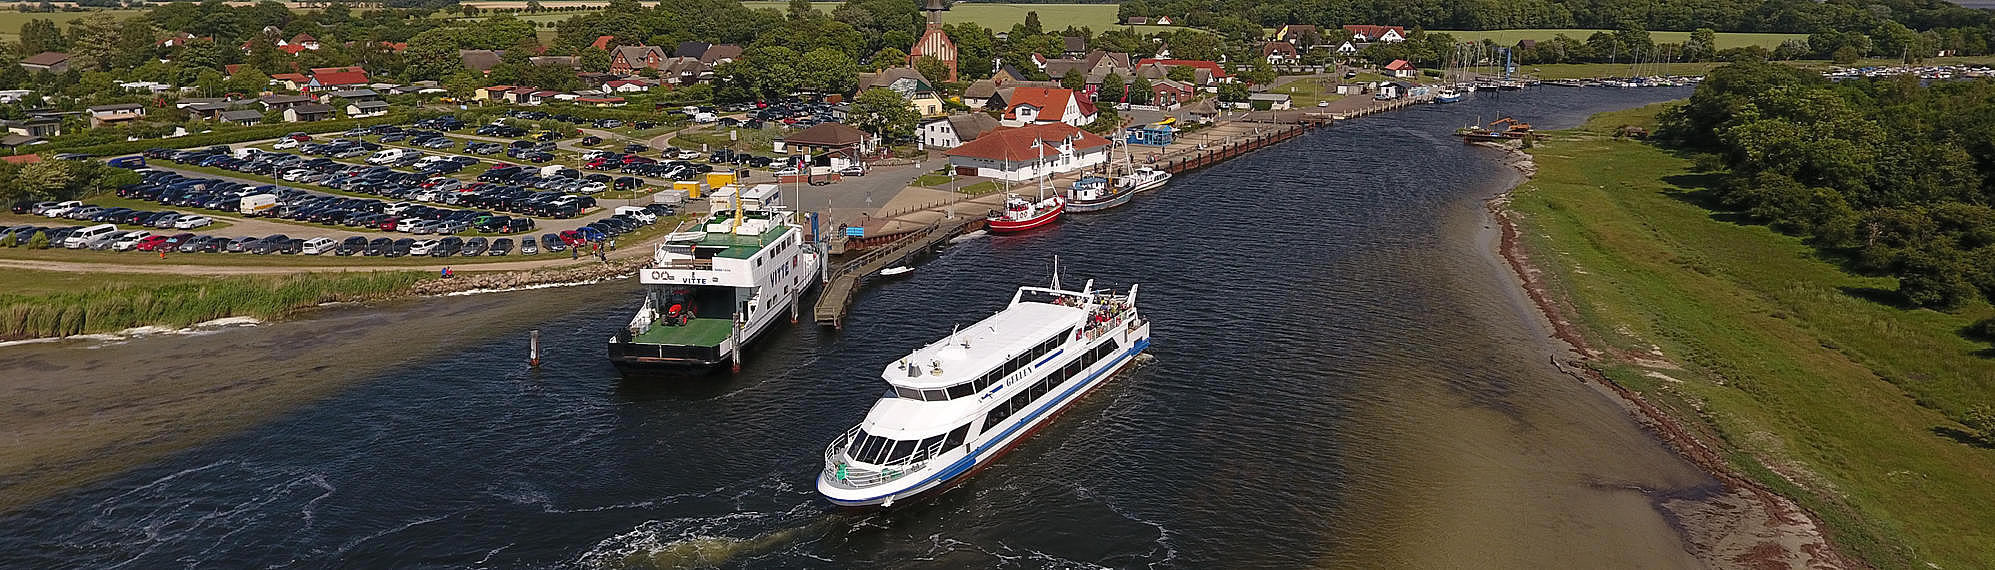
[{"x": 1020, "y": 214}]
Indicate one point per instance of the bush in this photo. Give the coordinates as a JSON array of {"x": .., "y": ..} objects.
[
  {"x": 7, "y": 240},
  {"x": 1983, "y": 329},
  {"x": 1980, "y": 422},
  {"x": 40, "y": 241}
]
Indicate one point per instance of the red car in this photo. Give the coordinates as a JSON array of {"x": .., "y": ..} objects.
[
  {"x": 573, "y": 238},
  {"x": 300, "y": 137},
  {"x": 389, "y": 224},
  {"x": 149, "y": 243}
]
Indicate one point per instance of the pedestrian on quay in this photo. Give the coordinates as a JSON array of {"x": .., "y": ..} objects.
[
  {"x": 603, "y": 257},
  {"x": 574, "y": 253},
  {"x": 613, "y": 245}
]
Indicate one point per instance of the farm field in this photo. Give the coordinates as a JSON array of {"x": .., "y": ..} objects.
[
  {"x": 1726, "y": 40},
  {"x": 10, "y": 20}
]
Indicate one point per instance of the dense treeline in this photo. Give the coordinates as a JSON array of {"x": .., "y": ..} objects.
[
  {"x": 1785, "y": 16},
  {"x": 1897, "y": 175}
]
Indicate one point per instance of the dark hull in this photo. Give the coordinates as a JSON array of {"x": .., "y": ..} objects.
[
  {"x": 1099, "y": 205},
  {"x": 642, "y": 359}
]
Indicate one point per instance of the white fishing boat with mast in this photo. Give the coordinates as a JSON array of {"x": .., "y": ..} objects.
[
  {"x": 962, "y": 401},
  {"x": 711, "y": 291}
]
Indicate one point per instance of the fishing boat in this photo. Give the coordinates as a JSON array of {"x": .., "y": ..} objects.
[
  {"x": 1143, "y": 178},
  {"x": 712, "y": 291},
  {"x": 1448, "y": 96},
  {"x": 960, "y": 402},
  {"x": 1094, "y": 194},
  {"x": 1021, "y": 215}
]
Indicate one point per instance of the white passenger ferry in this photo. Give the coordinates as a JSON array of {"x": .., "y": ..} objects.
[
  {"x": 959, "y": 403},
  {"x": 711, "y": 291}
]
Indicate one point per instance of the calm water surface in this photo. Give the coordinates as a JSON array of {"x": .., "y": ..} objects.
[{"x": 1341, "y": 376}]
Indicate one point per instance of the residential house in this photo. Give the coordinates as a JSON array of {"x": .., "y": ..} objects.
[
  {"x": 569, "y": 61},
  {"x": 979, "y": 92},
  {"x": 1165, "y": 21},
  {"x": 49, "y": 61},
  {"x": 282, "y": 102},
  {"x": 1169, "y": 94},
  {"x": 909, "y": 84},
  {"x": 1280, "y": 53},
  {"x": 242, "y": 117},
  {"x": 304, "y": 40},
  {"x": 1035, "y": 105},
  {"x": 683, "y": 71},
  {"x": 1076, "y": 46},
  {"x": 181, "y": 39},
  {"x": 999, "y": 100},
  {"x": 336, "y": 78},
  {"x": 1365, "y": 34},
  {"x": 638, "y": 85},
  {"x": 1527, "y": 44},
  {"x": 494, "y": 93},
  {"x": 954, "y": 130},
  {"x": 1353, "y": 88},
  {"x": 306, "y": 112},
  {"x": 1400, "y": 68},
  {"x": 115, "y": 114},
  {"x": 1270, "y": 102},
  {"x": 1206, "y": 75},
  {"x": 1026, "y": 153},
  {"x": 629, "y": 59},
  {"x": 829, "y": 139},
  {"x": 357, "y": 109},
  {"x": 480, "y": 60},
  {"x": 1350, "y": 48},
  {"x": 355, "y": 95},
  {"x": 290, "y": 81},
  {"x": 39, "y": 127},
  {"x": 1299, "y": 35},
  {"x": 211, "y": 110}
]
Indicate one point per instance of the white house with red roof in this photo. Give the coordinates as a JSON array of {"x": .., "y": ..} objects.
[
  {"x": 1365, "y": 34},
  {"x": 1043, "y": 105},
  {"x": 336, "y": 78},
  {"x": 1401, "y": 68},
  {"x": 1026, "y": 153}
]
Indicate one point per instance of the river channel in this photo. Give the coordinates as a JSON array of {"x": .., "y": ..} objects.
[{"x": 1342, "y": 375}]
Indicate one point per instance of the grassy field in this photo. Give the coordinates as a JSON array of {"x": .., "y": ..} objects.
[
  {"x": 1306, "y": 92},
  {"x": 11, "y": 21},
  {"x": 1834, "y": 399},
  {"x": 1726, "y": 40},
  {"x": 46, "y": 303}
]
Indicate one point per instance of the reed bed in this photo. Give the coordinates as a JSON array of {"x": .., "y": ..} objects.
[{"x": 119, "y": 305}]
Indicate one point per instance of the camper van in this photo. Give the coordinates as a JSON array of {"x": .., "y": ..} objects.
[{"x": 83, "y": 236}]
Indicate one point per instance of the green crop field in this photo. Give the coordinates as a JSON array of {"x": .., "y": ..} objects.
[
  {"x": 11, "y": 21},
  {"x": 1779, "y": 352},
  {"x": 1726, "y": 40}
]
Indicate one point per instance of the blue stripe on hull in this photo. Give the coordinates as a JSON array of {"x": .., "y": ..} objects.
[{"x": 969, "y": 462}]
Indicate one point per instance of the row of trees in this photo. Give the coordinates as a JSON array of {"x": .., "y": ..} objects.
[
  {"x": 1890, "y": 173},
  {"x": 1785, "y": 16}
]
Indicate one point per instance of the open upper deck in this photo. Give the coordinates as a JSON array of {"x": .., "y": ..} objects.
[{"x": 989, "y": 345}]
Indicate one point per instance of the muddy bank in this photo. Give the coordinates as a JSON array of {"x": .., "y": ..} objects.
[{"x": 1744, "y": 526}]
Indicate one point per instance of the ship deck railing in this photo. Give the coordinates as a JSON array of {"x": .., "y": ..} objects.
[
  {"x": 844, "y": 473},
  {"x": 688, "y": 264}
]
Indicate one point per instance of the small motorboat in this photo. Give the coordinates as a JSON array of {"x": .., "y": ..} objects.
[{"x": 895, "y": 270}]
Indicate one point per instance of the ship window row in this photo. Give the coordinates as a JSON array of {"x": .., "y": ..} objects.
[
  {"x": 1025, "y": 397},
  {"x": 990, "y": 378},
  {"x": 879, "y": 450}
]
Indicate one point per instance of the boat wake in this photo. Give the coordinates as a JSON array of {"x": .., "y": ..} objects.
[
  {"x": 533, "y": 286},
  {"x": 705, "y": 541}
]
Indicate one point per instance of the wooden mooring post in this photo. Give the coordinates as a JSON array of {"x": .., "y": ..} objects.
[{"x": 533, "y": 348}]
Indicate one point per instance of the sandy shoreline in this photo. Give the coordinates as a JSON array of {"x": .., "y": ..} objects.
[{"x": 1746, "y": 526}]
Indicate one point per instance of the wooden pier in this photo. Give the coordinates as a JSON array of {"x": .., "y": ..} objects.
[
  {"x": 1210, "y": 154},
  {"x": 843, "y": 283}
]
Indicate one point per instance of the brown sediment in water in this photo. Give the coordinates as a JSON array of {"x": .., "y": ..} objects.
[
  {"x": 1747, "y": 525},
  {"x": 82, "y": 410}
]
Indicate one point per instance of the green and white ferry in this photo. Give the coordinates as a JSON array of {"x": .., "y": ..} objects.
[{"x": 712, "y": 291}]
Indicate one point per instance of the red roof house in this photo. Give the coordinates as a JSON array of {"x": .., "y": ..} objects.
[{"x": 1020, "y": 153}]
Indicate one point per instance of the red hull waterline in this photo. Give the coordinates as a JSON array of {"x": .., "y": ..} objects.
[{"x": 1010, "y": 226}]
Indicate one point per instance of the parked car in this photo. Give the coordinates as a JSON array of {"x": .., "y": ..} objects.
[
  {"x": 318, "y": 245},
  {"x": 191, "y": 222}
]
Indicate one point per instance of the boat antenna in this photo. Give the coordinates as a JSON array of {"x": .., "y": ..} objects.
[
  {"x": 957, "y": 333},
  {"x": 1056, "y": 272}
]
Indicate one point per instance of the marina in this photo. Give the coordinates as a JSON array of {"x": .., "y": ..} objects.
[{"x": 1347, "y": 414}]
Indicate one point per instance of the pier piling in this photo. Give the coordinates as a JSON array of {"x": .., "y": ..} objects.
[{"x": 533, "y": 348}]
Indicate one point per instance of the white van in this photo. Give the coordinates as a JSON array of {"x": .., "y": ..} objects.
[
  {"x": 83, "y": 236},
  {"x": 638, "y": 212},
  {"x": 61, "y": 208},
  {"x": 388, "y": 156},
  {"x": 257, "y": 204},
  {"x": 130, "y": 240},
  {"x": 319, "y": 245}
]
